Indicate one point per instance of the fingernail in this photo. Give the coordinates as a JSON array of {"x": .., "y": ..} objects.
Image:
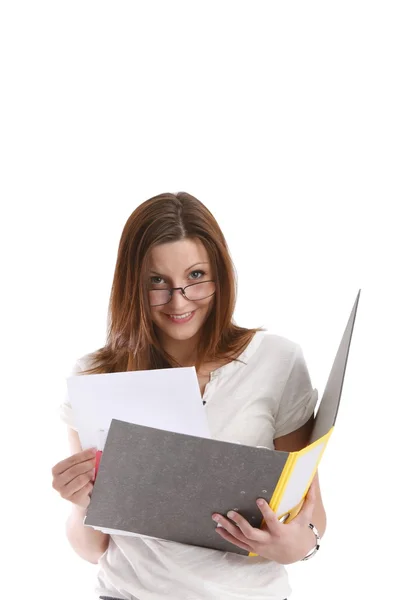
[
  {"x": 260, "y": 502},
  {"x": 215, "y": 518},
  {"x": 231, "y": 514}
]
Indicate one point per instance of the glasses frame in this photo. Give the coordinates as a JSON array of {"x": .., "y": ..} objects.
[{"x": 182, "y": 289}]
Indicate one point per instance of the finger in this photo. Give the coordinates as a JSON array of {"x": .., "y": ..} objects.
[
  {"x": 306, "y": 512},
  {"x": 229, "y": 538},
  {"x": 312, "y": 490},
  {"x": 83, "y": 496},
  {"x": 74, "y": 471},
  {"x": 76, "y": 485},
  {"x": 230, "y": 527},
  {"x": 250, "y": 533},
  {"x": 270, "y": 519},
  {"x": 309, "y": 502},
  {"x": 75, "y": 459}
]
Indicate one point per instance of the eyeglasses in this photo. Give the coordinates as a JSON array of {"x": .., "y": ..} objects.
[{"x": 192, "y": 292}]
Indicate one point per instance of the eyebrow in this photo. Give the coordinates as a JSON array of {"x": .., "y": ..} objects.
[{"x": 188, "y": 269}]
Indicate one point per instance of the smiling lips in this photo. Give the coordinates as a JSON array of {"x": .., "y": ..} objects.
[{"x": 184, "y": 318}]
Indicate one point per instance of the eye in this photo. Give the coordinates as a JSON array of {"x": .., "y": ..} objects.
[
  {"x": 196, "y": 274},
  {"x": 156, "y": 280}
]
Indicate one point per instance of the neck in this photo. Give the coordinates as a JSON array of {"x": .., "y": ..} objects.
[{"x": 183, "y": 351}]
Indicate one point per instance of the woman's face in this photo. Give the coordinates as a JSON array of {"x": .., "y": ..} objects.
[{"x": 179, "y": 264}]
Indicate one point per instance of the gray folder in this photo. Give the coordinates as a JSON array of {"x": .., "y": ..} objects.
[{"x": 167, "y": 485}]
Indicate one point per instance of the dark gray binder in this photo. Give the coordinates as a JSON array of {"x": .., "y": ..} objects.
[{"x": 167, "y": 485}]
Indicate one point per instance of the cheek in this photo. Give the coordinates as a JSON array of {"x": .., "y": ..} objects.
[
  {"x": 155, "y": 312},
  {"x": 208, "y": 304}
]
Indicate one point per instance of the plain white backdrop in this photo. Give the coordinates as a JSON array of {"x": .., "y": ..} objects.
[{"x": 283, "y": 118}]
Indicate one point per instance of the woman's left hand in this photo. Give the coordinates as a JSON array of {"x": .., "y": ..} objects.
[{"x": 283, "y": 543}]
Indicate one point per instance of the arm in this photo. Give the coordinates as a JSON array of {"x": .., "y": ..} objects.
[{"x": 88, "y": 543}]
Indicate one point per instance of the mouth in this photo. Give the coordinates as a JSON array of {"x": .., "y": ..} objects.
[{"x": 180, "y": 319}]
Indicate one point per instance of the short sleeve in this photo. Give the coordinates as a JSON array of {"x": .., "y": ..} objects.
[
  {"x": 298, "y": 399},
  {"x": 65, "y": 408}
]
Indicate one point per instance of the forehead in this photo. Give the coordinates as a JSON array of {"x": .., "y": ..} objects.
[{"x": 177, "y": 256}]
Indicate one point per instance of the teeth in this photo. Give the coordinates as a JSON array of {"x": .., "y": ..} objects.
[{"x": 180, "y": 316}]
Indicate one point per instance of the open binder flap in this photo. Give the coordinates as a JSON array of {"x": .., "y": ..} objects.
[{"x": 329, "y": 405}]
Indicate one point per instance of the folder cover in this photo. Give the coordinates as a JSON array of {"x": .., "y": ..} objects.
[{"x": 167, "y": 485}]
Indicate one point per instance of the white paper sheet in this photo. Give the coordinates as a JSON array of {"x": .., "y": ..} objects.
[{"x": 166, "y": 399}]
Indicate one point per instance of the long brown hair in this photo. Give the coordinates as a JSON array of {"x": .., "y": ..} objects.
[{"x": 132, "y": 343}]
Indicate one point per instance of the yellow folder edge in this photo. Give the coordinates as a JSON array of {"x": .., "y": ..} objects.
[{"x": 286, "y": 474}]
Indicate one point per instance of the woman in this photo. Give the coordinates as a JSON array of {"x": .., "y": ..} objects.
[{"x": 172, "y": 304}]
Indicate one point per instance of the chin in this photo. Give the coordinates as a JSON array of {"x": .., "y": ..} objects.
[
  {"x": 182, "y": 335},
  {"x": 182, "y": 332}
]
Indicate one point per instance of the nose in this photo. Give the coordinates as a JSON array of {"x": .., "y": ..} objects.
[{"x": 178, "y": 300}]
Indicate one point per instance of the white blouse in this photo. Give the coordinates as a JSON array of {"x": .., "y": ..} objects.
[{"x": 265, "y": 394}]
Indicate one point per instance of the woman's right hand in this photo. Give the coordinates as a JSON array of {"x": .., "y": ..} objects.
[{"x": 73, "y": 477}]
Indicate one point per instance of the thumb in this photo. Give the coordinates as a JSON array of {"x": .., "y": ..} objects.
[{"x": 307, "y": 509}]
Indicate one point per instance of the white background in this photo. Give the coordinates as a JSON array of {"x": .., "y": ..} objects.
[{"x": 283, "y": 118}]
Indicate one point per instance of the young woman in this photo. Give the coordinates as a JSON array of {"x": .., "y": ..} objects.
[{"x": 172, "y": 303}]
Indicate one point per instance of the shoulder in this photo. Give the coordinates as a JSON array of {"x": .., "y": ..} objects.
[
  {"x": 265, "y": 345},
  {"x": 83, "y": 363},
  {"x": 269, "y": 360}
]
